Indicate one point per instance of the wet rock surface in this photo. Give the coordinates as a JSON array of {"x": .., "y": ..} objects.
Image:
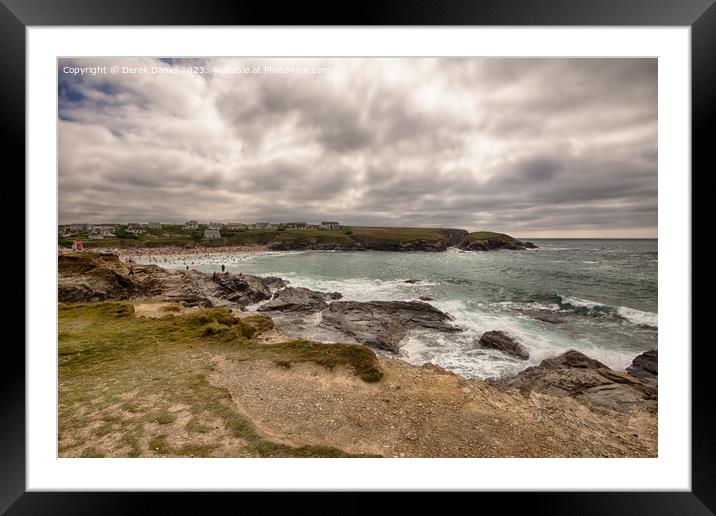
[
  {"x": 646, "y": 367},
  {"x": 500, "y": 341},
  {"x": 383, "y": 324},
  {"x": 298, "y": 299},
  {"x": 576, "y": 375}
]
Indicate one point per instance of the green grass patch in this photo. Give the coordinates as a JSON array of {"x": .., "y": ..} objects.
[
  {"x": 194, "y": 426},
  {"x": 484, "y": 235},
  {"x": 158, "y": 444},
  {"x": 119, "y": 375},
  {"x": 359, "y": 358},
  {"x": 260, "y": 322},
  {"x": 91, "y": 453},
  {"x": 163, "y": 417}
]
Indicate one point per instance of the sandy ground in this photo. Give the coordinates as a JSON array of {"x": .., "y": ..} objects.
[{"x": 423, "y": 412}]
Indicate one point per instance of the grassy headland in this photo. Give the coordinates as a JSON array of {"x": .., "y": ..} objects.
[
  {"x": 346, "y": 237},
  {"x": 139, "y": 386}
]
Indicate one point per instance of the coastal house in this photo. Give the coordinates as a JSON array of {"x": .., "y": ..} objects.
[
  {"x": 102, "y": 233},
  {"x": 191, "y": 224},
  {"x": 264, "y": 225},
  {"x": 212, "y": 233},
  {"x": 77, "y": 228},
  {"x": 214, "y": 225},
  {"x": 236, "y": 226},
  {"x": 330, "y": 225},
  {"x": 297, "y": 225},
  {"x": 154, "y": 224},
  {"x": 135, "y": 229}
]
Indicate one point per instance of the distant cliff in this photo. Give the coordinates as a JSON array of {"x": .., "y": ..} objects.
[
  {"x": 374, "y": 239},
  {"x": 349, "y": 238},
  {"x": 488, "y": 241}
]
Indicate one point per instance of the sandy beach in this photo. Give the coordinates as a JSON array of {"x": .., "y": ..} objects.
[{"x": 130, "y": 254}]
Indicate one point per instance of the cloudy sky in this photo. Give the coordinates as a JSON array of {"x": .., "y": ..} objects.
[{"x": 532, "y": 147}]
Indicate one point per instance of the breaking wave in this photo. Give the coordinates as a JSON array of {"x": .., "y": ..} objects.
[{"x": 593, "y": 308}]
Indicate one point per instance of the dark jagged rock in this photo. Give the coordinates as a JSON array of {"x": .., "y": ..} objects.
[
  {"x": 90, "y": 277},
  {"x": 426, "y": 298},
  {"x": 646, "y": 366},
  {"x": 572, "y": 360},
  {"x": 411, "y": 281},
  {"x": 383, "y": 324},
  {"x": 496, "y": 243},
  {"x": 242, "y": 289},
  {"x": 84, "y": 278},
  {"x": 184, "y": 287},
  {"x": 297, "y": 299},
  {"x": 576, "y": 375},
  {"x": 499, "y": 340}
]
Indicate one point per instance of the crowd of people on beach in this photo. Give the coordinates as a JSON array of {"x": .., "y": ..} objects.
[{"x": 159, "y": 254}]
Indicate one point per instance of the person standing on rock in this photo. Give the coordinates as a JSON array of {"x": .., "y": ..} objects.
[{"x": 222, "y": 267}]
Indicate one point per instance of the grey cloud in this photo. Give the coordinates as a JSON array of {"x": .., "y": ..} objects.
[{"x": 529, "y": 146}]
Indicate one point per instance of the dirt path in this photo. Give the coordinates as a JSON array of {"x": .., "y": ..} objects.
[{"x": 423, "y": 412}]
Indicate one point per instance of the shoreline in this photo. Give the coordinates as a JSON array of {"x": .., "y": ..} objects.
[
  {"x": 125, "y": 254},
  {"x": 235, "y": 382}
]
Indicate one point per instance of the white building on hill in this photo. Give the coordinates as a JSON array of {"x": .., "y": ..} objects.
[{"x": 135, "y": 229}]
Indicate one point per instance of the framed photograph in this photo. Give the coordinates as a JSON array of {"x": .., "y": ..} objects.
[{"x": 441, "y": 249}]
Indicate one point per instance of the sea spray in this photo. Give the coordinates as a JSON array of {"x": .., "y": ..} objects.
[{"x": 607, "y": 309}]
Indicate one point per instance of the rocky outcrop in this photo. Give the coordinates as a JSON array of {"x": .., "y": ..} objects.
[
  {"x": 495, "y": 243},
  {"x": 242, "y": 289},
  {"x": 350, "y": 242},
  {"x": 185, "y": 287},
  {"x": 84, "y": 278},
  {"x": 383, "y": 324},
  {"x": 298, "y": 299},
  {"x": 89, "y": 277},
  {"x": 646, "y": 367},
  {"x": 576, "y": 375},
  {"x": 500, "y": 341}
]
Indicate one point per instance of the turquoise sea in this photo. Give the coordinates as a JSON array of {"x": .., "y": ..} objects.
[{"x": 604, "y": 290}]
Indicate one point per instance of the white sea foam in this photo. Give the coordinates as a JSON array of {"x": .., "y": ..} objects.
[
  {"x": 362, "y": 289},
  {"x": 638, "y": 317},
  {"x": 632, "y": 315},
  {"x": 581, "y": 303}
]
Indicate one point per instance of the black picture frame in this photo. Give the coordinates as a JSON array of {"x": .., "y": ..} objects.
[{"x": 699, "y": 15}]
